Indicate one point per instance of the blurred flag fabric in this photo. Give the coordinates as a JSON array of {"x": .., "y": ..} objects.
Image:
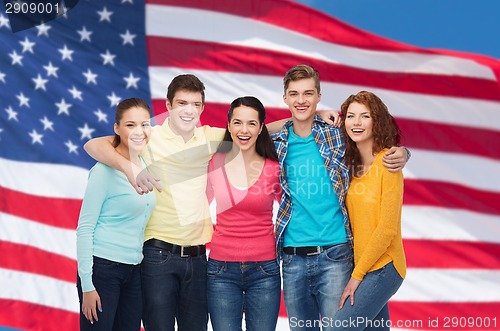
[{"x": 60, "y": 81}]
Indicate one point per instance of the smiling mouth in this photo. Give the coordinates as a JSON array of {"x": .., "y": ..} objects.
[{"x": 186, "y": 119}]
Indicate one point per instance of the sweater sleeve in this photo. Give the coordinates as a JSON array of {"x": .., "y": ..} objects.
[
  {"x": 95, "y": 195},
  {"x": 388, "y": 225}
]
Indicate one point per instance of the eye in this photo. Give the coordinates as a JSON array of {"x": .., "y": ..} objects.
[{"x": 146, "y": 124}]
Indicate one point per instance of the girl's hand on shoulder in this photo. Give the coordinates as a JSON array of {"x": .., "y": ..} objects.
[
  {"x": 349, "y": 290},
  {"x": 91, "y": 303}
]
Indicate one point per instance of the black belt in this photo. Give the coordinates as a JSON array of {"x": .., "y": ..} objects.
[
  {"x": 183, "y": 251},
  {"x": 307, "y": 250}
]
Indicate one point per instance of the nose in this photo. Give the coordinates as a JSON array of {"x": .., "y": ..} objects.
[{"x": 300, "y": 98}]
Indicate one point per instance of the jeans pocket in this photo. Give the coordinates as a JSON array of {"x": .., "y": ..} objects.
[
  {"x": 153, "y": 255},
  {"x": 214, "y": 268},
  {"x": 270, "y": 268},
  {"x": 340, "y": 253},
  {"x": 287, "y": 259}
]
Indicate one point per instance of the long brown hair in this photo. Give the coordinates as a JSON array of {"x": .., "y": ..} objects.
[{"x": 386, "y": 132}]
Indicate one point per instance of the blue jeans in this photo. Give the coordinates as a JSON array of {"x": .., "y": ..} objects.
[
  {"x": 313, "y": 285},
  {"x": 370, "y": 310},
  {"x": 250, "y": 287},
  {"x": 119, "y": 287},
  {"x": 174, "y": 287}
]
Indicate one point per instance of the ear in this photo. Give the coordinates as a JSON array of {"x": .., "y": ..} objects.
[
  {"x": 261, "y": 127},
  {"x": 319, "y": 97},
  {"x": 284, "y": 98},
  {"x": 115, "y": 127},
  {"x": 168, "y": 105},
  {"x": 228, "y": 127}
]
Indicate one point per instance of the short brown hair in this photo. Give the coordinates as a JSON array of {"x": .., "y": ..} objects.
[
  {"x": 301, "y": 71},
  {"x": 185, "y": 82}
]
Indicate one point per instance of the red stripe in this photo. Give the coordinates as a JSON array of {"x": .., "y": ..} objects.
[
  {"x": 32, "y": 317},
  {"x": 201, "y": 55},
  {"x": 62, "y": 213},
  {"x": 442, "y": 315},
  {"x": 447, "y": 195},
  {"x": 416, "y": 134},
  {"x": 33, "y": 260},
  {"x": 448, "y": 254}
]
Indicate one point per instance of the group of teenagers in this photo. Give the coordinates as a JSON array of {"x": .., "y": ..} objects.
[{"x": 145, "y": 218}]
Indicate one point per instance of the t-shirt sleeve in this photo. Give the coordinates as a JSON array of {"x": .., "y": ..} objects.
[{"x": 95, "y": 195}]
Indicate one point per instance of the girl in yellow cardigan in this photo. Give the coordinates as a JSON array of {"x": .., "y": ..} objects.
[{"x": 374, "y": 202}]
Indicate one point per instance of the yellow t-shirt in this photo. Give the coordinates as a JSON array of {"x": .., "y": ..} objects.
[
  {"x": 181, "y": 215},
  {"x": 374, "y": 202}
]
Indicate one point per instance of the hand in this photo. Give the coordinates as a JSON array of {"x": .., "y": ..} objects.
[
  {"x": 331, "y": 117},
  {"x": 146, "y": 182},
  {"x": 349, "y": 290},
  {"x": 395, "y": 159},
  {"x": 91, "y": 302}
]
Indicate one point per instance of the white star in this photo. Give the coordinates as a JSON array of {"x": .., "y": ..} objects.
[
  {"x": 75, "y": 93},
  {"x": 128, "y": 38},
  {"x": 36, "y": 137},
  {"x": 86, "y": 132},
  {"x": 12, "y": 114},
  {"x": 131, "y": 81},
  {"x": 108, "y": 58},
  {"x": 63, "y": 107},
  {"x": 84, "y": 34},
  {"x": 2, "y": 77},
  {"x": 27, "y": 45},
  {"x": 43, "y": 30},
  {"x": 16, "y": 58},
  {"x": 113, "y": 99},
  {"x": 130, "y": 1},
  {"x": 47, "y": 125},
  {"x": 4, "y": 22},
  {"x": 66, "y": 53},
  {"x": 40, "y": 82},
  {"x": 105, "y": 15},
  {"x": 23, "y": 101},
  {"x": 101, "y": 117},
  {"x": 51, "y": 70},
  {"x": 91, "y": 77},
  {"x": 72, "y": 148}
]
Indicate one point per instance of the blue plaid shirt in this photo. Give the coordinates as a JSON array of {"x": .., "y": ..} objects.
[{"x": 331, "y": 145}]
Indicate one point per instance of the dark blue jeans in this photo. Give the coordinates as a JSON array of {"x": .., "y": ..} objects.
[
  {"x": 370, "y": 310},
  {"x": 250, "y": 287},
  {"x": 174, "y": 288},
  {"x": 119, "y": 287}
]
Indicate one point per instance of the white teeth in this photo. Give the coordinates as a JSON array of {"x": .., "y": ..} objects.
[
  {"x": 357, "y": 130},
  {"x": 243, "y": 138}
]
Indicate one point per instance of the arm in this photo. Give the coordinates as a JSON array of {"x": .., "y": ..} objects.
[
  {"x": 331, "y": 117},
  {"x": 395, "y": 158},
  {"x": 275, "y": 127},
  {"x": 102, "y": 150},
  {"x": 95, "y": 194}
]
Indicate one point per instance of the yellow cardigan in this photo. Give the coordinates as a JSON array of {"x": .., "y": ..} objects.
[{"x": 374, "y": 203}]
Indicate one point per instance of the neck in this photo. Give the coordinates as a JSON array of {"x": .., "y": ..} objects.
[
  {"x": 302, "y": 128},
  {"x": 132, "y": 156},
  {"x": 366, "y": 152},
  {"x": 247, "y": 155},
  {"x": 185, "y": 135}
]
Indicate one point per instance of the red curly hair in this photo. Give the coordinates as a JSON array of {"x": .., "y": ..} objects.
[{"x": 386, "y": 132}]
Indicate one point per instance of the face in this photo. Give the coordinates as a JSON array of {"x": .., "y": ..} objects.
[
  {"x": 185, "y": 110},
  {"x": 359, "y": 123},
  {"x": 134, "y": 128},
  {"x": 302, "y": 98},
  {"x": 245, "y": 127}
]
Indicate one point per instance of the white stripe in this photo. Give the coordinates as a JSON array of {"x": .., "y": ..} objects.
[
  {"x": 468, "y": 170},
  {"x": 43, "y": 179},
  {"x": 45, "y": 237},
  {"x": 433, "y": 223},
  {"x": 228, "y": 29},
  {"x": 442, "y": 285},
  {"x": 41, "y": 290},
  {"x": 223, "y": 87}
]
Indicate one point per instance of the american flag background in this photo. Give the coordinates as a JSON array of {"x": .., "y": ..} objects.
[{"x": 60, "y": 81}]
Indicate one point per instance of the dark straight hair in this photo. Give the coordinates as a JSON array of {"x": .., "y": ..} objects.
[{"x": 264, "y": 146}]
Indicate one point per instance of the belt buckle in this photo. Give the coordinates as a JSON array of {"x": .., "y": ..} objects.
[
  {"x": 318, "y": 251},
  {"x": 182, "y": 252}
]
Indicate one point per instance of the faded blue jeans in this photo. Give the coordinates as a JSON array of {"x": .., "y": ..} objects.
[
  {"x": 174, "y": 288},
  {"x": 313, "y": 285},
  {"x": 250, "y": 287},
  {"x": 370, "y": 310}
]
